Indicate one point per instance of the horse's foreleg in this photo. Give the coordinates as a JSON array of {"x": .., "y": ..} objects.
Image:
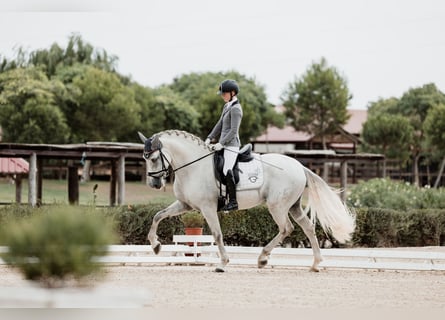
[
  {"x": 222, "y": 252},
  {"x": 176, "y": 208},
  {"x": 285, "y": 229},
  {"x": 213, "y": 222},
  {"x": 309, "y": 230}
]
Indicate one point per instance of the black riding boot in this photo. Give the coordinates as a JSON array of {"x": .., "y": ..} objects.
[{"x": 231, "y": 190}]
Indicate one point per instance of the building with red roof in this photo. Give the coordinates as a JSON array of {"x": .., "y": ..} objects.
[{"x": 287, "y": 139}]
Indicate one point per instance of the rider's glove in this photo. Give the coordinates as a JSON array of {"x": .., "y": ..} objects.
[
  {"x": 207, "y": 142},
  {"x": 217, "y": 147}
]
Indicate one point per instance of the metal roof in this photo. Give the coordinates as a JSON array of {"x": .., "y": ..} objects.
[{"x": 90, "y": 150}]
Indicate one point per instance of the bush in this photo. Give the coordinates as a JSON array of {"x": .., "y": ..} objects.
[
  {"x": 377, "y": 227},
  {"x": 192, "y": 219},
  {"x": 391, "y": 228},
  {"x": 133, "y": 223},
  {"x": 255, "y": 227},
  {"x": 56, "y": 243},
  {"x": 396, "y": 195}
]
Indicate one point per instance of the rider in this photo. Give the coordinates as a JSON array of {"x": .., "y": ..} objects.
[{"x": 226, "y": 131}]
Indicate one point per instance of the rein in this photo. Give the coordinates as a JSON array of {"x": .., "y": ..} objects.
[
  {"x": 187, "y": 164},
  {"x": 165, "y": 169}
]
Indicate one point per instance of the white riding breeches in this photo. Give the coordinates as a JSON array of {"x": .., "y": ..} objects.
[{"x": 230, "y": 154}]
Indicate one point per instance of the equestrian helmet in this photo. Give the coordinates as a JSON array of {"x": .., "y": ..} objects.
[{"x": 228, "y": 86}]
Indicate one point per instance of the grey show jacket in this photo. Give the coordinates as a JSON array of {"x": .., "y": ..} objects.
[{"x": 226, "y": 129}]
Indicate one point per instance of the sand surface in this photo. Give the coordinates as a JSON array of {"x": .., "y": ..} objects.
[{"x": 283, "y": 288}]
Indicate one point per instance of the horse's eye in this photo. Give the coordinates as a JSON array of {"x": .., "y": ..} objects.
[{"x": 146, "y": 155}]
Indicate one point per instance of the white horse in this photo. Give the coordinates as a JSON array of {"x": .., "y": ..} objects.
[{"x": 285, "y": 179}]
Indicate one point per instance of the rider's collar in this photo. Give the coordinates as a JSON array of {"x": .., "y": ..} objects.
[{"x": 231, "y": 103}]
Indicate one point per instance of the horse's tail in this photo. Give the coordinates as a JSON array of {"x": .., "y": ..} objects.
[{"x": 326, "y": 206}]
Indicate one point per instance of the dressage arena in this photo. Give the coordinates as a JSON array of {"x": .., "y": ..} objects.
[{"x": 186, "y": 286}]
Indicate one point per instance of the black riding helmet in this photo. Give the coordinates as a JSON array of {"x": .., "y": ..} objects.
[{"x": 228, "y": 86}]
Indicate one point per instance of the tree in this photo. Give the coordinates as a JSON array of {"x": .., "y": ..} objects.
[
  {"x": 152, "y": 120},
  {"x": 317, "y": 102},
  {"x": 434, "y": 127},
  {"x": 415, "y": 105},
  {"x": 28, "y": 113},
  {"x": 100, "y": 107},
  {"x": 178, "y": 113},
  {"x": 388, "y": 134},
  {"x": 77, "y": 51},
  {"x": 382, "y": 106}
]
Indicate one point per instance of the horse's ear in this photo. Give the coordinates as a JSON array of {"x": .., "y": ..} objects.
[{"x": 142, "y": 137}]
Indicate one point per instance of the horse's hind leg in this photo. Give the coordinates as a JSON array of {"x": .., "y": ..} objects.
[
  {"x": 309, "y": 230},
  {"x": 176, "y": 208},
  {"x": 285, "y": 227}
]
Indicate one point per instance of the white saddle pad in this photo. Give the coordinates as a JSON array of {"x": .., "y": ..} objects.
[{"x": 251, "y": 175}]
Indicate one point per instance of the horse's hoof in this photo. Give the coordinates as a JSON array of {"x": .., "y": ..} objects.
[
  {"x": 314, "y": 269},
  {"x": 157, "y": 248},
  {"x": 262, "y": 263},
  {"x": 219, "y": 269}
]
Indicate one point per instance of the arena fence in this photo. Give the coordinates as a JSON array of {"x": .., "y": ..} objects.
[{"x": 201, "y": 250}]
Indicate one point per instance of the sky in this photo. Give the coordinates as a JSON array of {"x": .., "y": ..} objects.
[{"x": 382, "y": 48}]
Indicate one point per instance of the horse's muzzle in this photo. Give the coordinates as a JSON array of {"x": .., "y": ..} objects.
[{"x": 155, "y": 183}]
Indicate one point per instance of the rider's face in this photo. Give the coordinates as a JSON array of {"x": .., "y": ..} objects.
[{"x": 226, "y": 96}]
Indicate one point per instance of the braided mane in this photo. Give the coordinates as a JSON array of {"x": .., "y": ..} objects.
[{"x": 182, "y": 133}]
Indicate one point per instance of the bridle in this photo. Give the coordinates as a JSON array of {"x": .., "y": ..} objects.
[
  {"x": 164, "y": 172},
  {"x": 164, "y": 169}
]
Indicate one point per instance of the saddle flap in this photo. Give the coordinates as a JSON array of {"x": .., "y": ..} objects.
[{"x": 244, "y": 155}]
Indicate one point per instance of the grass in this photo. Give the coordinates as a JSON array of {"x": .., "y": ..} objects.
[{"x": 56, "y": 191}]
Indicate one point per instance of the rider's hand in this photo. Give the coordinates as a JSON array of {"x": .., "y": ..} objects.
[
  {"x": 207, "y": 142},
  {"x": 217, "y": 147}
]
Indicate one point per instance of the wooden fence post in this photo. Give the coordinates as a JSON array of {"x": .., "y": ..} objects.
[
  {"x": 73, "y": 185},
  {"x": 18, "y": 188},
  {"x": 121, "y": 180},
  {"x": 113, "y": 183},
  {"x": 32, "y": 185},
  {"x": 343, "y": 180}
]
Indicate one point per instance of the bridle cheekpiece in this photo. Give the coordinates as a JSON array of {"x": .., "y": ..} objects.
[{"x": 150, "y": 146}]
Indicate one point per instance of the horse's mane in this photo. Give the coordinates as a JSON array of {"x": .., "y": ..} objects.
[{"x": 180, "y": 133}]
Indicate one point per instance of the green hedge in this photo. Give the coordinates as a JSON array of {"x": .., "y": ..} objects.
[
  {"x": 133, "y": 223},
  {"x": 390, "y": 228},
  {"x": 255, "y": 227}
]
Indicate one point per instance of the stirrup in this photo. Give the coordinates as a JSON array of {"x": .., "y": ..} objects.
[{"x": 232, "y": 205}]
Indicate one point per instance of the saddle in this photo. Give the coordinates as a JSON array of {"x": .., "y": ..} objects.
[{"x": 244, "y": 155}]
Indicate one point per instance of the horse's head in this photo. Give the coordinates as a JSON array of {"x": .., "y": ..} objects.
[{"x": 157, "y": 162}]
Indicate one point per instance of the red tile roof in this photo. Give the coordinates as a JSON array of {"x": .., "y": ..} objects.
[
  {"x": 289, "y": 134},
  {"x": 13, "y": 165},
  {"x": 356, "y": 121}
]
